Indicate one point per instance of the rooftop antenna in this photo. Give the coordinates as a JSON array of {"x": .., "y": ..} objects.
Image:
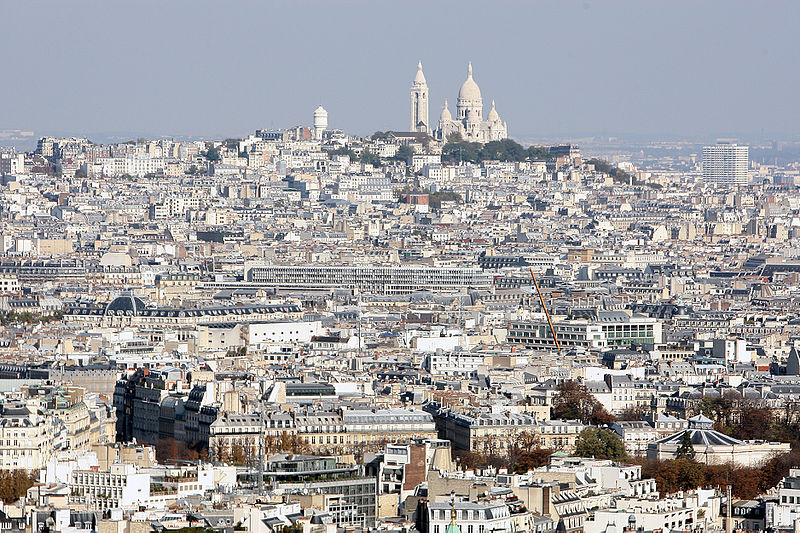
[
  {"x": 728, "y": 505},
  {"x": 546, "y": 312},
  {"x": 261, "y": 444},
  {"x": 359, "y": 324}
]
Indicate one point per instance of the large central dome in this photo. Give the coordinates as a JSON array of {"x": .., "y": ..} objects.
[{"x": 469, "y": 89}]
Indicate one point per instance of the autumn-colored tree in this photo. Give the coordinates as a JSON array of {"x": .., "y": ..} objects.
[
  {"x": 665, "y": 474},
  {"x": 723, "y": 409},
  {"x": 574, "y": 402},
  {"x": 717, "y": 475},
  {"x": 220, "y": 452},
  {"x": 754, "y": 423},
  {"x": 294, "y": 443},
  {"x": 601, "y": 417},
  {"x": 526, "y": 441},
  {"x": 778, "y": 467},
  {"x": 675, "y": 475},
  {"x": 633, "y": 414},
  {"x": 746, "y": 482},
  {"x": 691, "y": 475},
  {"x": 166, "y": 450},
  {"x": 469, "y": 459},
  {"x": 238, "y": 455},
  {"x": 14, "y": 484},
  {"x": 532, "y": 459}
]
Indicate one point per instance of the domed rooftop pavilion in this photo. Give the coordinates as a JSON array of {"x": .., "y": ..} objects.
[{"x": 125, "y": 303}]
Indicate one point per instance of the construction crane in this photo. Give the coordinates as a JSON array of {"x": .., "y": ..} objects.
[{"x": 546, "y": 312}]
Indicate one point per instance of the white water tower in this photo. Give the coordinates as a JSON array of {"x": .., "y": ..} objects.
[{"x": 320, "y": 122}]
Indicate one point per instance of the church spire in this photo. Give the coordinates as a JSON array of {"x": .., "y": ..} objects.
[
  {"x": 419, "y": 79},
  {"x": 419, "y": 102},
  {"x": 469, "y": 70},
  {"x": 453, "y": 527}
]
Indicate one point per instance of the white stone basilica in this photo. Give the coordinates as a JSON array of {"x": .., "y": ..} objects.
[{"x": 469, "y": 120}]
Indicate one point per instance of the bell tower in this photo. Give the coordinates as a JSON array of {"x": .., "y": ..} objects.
[{"x": 419, "y": 102}]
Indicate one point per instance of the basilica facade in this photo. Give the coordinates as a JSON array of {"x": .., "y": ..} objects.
[{"x": 468, "y": 122}]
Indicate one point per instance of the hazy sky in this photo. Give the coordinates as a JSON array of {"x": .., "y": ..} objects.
[{"x": 555, "y": 68}]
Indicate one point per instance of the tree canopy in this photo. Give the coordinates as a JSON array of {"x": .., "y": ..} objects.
[
  {"x": 457, "y": 150},
  {"x": 600, "y": 444},
  {"x": 344, "y": 151},
  {"x": 232, "y": 144},
  {"x": 14, "y": 484},
  {"x": 404, "y": 154},
  {"x": 617, "y": 174},
  {"x": 370, "y": 158},
  {"x": 747, "y": 482},
  {"x": 686, "y": 448},
  {"x": 435, "y": 199},
  {"x": 27, "y": 317},
  {"x": 747, "y": 419},
  {"x": 574, "y": 402}
]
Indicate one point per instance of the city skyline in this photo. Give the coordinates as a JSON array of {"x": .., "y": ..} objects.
[
  {"x": 212, "y": 72},
  {"x": 399, "y": 267}
]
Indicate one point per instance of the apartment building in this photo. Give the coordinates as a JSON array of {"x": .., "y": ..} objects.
[
  {"x": 26, "y": 437},
  {"x": 120, "y": 487},
  {"x": 374, "y": 279}
]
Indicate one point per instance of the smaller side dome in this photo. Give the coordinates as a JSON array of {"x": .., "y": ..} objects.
[
  {"x": 445, "y": 116},
  {"x": 493, "y": 116}
]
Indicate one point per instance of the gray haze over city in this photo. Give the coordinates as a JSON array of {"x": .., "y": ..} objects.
[{"x": 557, "y": 69}]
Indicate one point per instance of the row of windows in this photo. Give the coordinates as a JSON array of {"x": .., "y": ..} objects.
[
  {"x": 461, "y": 514},
  {"x": 342, "y": 439}
]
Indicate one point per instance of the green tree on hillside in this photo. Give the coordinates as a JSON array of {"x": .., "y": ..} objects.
[
  {"x": 456, "y": 152},
  {"x": 404, "y": 154},
  {"x": 370, "y": 158},
  {"x": 435, "y": 199}
]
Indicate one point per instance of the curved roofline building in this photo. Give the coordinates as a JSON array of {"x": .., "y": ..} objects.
[{"x": 712, "y": 447}]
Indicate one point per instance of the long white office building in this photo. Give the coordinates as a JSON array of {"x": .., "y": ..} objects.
[
  {"x": 610, "y": 329},
  {"x": 373, "y": 279},
  {"x": 726, "y": 164}
]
